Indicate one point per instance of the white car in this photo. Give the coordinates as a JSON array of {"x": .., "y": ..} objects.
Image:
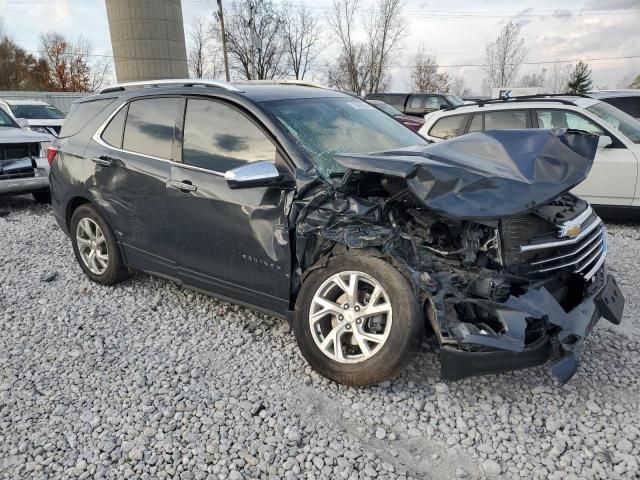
[
  {"x": 613, "y": 183},
  {"x": 24, "y": 165},
  {"x": 34, "y": 115}
]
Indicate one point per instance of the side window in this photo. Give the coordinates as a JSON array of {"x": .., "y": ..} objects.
[
  {"x": 433, "y": 102},
  {"x": 476, "y": 123},
  {"x": 113, "y": 133},
  {"x": 394, "y": 100},
  {"x": 505, "y": 119},
  {"x": 218, "y": 137},
  {"x": 449, "y": 127},
  {"x": 566, "y": 119},
  {"x": 150, "y": 125},
  {"x": 416, "y": 102}
]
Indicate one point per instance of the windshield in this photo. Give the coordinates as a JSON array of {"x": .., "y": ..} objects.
[
  {"x": 326, "y": 127},
  {"x": 37, "y": 112},
  {"x": 455, "y": 100},
  {"x": 385, "y": 107},
  {"x": 6, "y": 120},
  {"x": 617, "y": 119}
]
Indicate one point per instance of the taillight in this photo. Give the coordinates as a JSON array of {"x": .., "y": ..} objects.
[{"x": 51, "y": 154}]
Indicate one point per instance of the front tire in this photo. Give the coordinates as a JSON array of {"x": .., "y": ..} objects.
[
  {"x": 96, "y": 248},
  {"x": 357, "y": 321}
]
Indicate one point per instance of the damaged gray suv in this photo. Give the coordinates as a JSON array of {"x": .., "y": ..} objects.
[{"x": 314, "y": 206}]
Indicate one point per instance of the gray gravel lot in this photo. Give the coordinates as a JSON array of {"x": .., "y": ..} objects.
[{"x": 150, "y": 380}]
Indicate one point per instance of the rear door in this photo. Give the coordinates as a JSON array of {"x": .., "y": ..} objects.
[
  {"x": 612, "y": 179},
  {"x": 232, "y": 242},
  {"x": 131, "y": 162}
]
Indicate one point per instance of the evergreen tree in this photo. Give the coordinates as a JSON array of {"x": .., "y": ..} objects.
[{"x": 580, "y": 79}]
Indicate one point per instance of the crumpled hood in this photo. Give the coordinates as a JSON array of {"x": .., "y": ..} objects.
[{"x": 487, "y": 175}]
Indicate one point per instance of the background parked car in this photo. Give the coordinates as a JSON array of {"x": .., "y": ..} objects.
[
  {"x": 414, "y": 123},
  {"x": 35, "y": 115},
  {"x": 613, "y": 182},
  {"x": 626, "y": 100},
  {"x": 417, "y": 104},
  {"x": 23, "y": 164}
]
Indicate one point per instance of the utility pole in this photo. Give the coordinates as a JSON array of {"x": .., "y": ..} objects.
[
  {"x": 252, "y": 39},
  {"x": 224, "y": 41}
]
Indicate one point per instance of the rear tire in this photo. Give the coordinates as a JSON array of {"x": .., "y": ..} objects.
[
  {"x": 351, "y": 320},
  {"x": 95, "y": 247},
  {"x": 42, "y": 196}
]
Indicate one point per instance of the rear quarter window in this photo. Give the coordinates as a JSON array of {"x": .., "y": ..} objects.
[
  {"x": 81, "y": 114},
  {"x": 449, "y": 127}
]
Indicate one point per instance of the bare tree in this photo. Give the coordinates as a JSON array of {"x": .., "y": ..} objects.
[
  {"x": 635, "y": 83},
  {"x": 349, "y": 73},
  {"x": 425, "y": 76},
  {"x": 385, "y": 31},
  {"x": 363, "y": 67},
  {"x": 254, "y": 39},
  {"x": 196, "y": 54},
  {"x": 459, "y": 88},
  {"x": 558, "y": 78},
  {"x": 534, "y": 79},
  {"x": 504, "y": 56},
  {"x": 303, "y": 38},
  {"x": 69, "y": 64},
  {"x": 204, "y": 55}
]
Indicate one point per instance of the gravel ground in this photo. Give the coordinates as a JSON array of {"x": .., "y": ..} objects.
[{"x": 149, "y": 380}]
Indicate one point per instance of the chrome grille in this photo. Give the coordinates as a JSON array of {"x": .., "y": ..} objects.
[{"x": 583, "y": 254}]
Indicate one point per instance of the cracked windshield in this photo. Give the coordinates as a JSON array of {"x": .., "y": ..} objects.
[{"x": 327, "y": 127}]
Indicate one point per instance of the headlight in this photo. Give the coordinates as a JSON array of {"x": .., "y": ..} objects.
[{"x": 38, "y": 129}]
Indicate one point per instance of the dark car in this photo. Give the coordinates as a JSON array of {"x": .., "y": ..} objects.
[
  {"x": 414, "y": 123},
  {"x": 269, "y": 195},
  {"x": 626, "y": 100},
  {"x": 417, "y": 104}
]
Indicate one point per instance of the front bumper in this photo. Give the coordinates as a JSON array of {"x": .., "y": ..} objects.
[
  {"x": 39, "y": 181},
  {"x": 562, "y": 343}
]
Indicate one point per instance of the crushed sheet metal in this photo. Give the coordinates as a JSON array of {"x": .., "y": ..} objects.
[{"x": 487, "y": 175}]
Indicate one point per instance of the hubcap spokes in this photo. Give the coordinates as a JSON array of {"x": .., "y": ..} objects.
[
  {"x": 92, "y": 246},
  {"x": 350, "y": 317}
]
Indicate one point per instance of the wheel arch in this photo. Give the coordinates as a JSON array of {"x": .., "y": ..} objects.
[{"x": 72, "y": 206}]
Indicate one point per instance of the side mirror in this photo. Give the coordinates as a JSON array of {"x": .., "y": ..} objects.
[
  {"x": 256, "y": 174},
  {"x": 23, "y": 122},
  {"x": 604, "y": 141},
  {"x": 443, "y": 106}
]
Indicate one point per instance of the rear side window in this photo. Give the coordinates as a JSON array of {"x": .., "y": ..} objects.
[
  {"x": 505, "y": 119},
  {"x": 449, "y": 127},
  {"x": 394, "y": 100},
  {"x": 81, "y": 114},
  {"x": 113, "y": 133},
  {"x": 150, "y": 126},
  {"x": 433, "y": 102},
  {"x": 566, "y": 119},
  {"x": 416, "y": 102},
  {"x": 219, "y": 138}
]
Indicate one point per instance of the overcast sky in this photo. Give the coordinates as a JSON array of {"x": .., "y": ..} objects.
[{"x": 455, "y": 30}]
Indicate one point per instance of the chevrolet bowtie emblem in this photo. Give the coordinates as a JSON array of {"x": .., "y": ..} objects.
[{"x": 572, "y": 231}]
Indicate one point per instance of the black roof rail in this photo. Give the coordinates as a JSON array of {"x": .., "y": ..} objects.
[{"x": 539, "y": 97}]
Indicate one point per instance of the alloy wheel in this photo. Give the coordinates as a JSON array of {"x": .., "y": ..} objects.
[
  {"x": 350, "y": 317},
  {"x": 92, "y": 246}
]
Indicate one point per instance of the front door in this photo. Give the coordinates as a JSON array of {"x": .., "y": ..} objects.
[
  {"x": 612, "y": 179},
  {"x": 231, "y": 242}
]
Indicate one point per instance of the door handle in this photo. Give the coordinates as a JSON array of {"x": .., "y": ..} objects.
[
  {"x": 184, "y": 187},
  {"x": 102, "y": 161}
]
